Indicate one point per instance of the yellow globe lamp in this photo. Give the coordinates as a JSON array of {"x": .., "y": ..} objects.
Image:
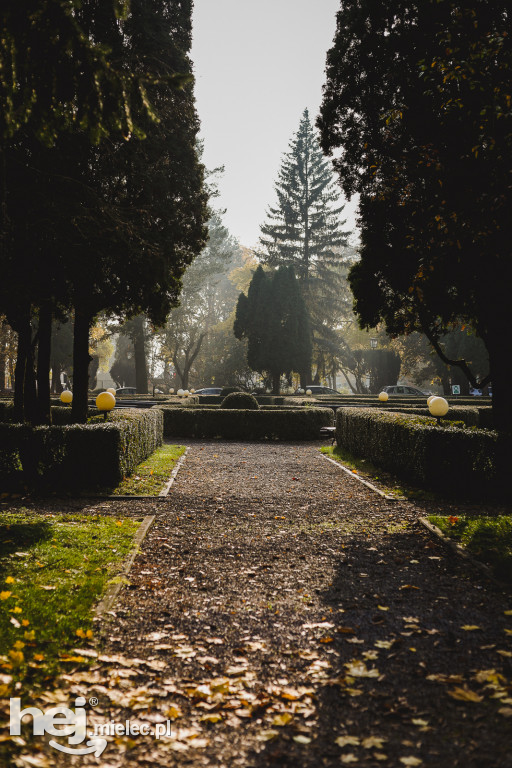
[
  {"x": 66, "y": 396},
  {"x": 383, "y": 397},
  {"x": 180, "y": 392},
  {"x": 112, "y": 391},
  {"x": 429, "y": 399},
  {"x": 308, "y": 392},
  {"x": 438, "y": 407},
  {"x": 192, "y": 391},
  {"x": 171, "y": 391},
  {"x": 105, "y": 402}
]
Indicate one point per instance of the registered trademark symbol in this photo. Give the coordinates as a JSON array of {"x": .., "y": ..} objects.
[{"x": 93, "y": 701}]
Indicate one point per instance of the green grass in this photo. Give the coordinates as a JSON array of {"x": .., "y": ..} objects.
[
  {"x": 150, "y": 477},
  {"x": 366, "y": 470},
  {"x": 488, "y": 538},
  {"x": 53, "y": 569}
]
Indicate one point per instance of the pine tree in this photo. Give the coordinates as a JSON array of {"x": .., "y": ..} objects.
[{"x": 305, "y": 230}]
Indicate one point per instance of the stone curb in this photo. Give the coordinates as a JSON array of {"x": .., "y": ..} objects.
[
  {"x": 486, "y": 570},
  {"x": 108, "y": 599},
  {"x": 172, "y": 478},
  {"x": 360, "y": 479}
]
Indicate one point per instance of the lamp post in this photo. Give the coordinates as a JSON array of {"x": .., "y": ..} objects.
[
  {"x": 105, "y": 402},
  {"x": 66, "y": 397},
  {"x": 438, "y": 407}
]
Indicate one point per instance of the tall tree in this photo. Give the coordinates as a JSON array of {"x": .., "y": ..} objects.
[
  {"x": 274, "y": 319},
  {"x": 304, "y": 230},
  {"x": 417, "y": 111},
  {"x": 202, "y": 304}
]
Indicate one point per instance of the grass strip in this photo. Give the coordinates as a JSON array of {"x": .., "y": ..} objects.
[
  {"x": 367, "y": 471},
  {"x": 150, "y": 477},
  {"x": 487, "y": 538},
  {"x": 53, "y": 569}
]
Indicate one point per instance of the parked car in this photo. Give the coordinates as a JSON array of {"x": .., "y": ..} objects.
[
  {"x": 316, "y": 389},
  {"x": 401, "y": 389},
  {"x": 208, "y": 391},
  {"x": 475, "y": 392},
  {"x": 126, "y": 391}
]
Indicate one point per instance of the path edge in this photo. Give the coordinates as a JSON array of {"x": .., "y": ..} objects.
[
  {"x": 165, "y": 491},
  {"x": 110, "y": 596},
  {"x": 356, "y": 477},
  {"x": 485, "y": 569}
]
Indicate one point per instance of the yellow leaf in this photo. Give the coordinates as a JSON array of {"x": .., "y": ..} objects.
[
  {"x": 9, "y": 580},
  {"x": 19, "y": 645},
  {"x": 507, "y": 613},
  {"x": 17, "y": 609},
  {"x": 25, "y": 622},
  {"x": 507, "y": 654},
  {"x": 464, "y": 694},
  {"x": 410, "y": 761},
  {"x": 505, "y": 711},
  {"x": 5, "y": 595},
  {"x": 350, "y": 758},
  {"x": 30, "y": 635},
  {"x": 419, "y": 722},
  {"x": 508, "y": 631},
  {"x": 383, "y": 608},
  {"x": 343, "y": 741},
  {"x": 373, "y": 741},
  {"x": 384, "y": 643},
  {"x": 211, "y": 718},
  {"x": 470, "y": 627},
  {"x": 283, "y": 719},
  {"x": 16, "y": 657},
  {"x": 359, "y": 669}
]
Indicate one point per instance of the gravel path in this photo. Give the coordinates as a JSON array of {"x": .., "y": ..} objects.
[{"x": 282, "y": 614}]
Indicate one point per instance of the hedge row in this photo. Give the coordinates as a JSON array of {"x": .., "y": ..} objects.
[
  {"x": 453, "y": 460},
  {"x": 280, "y": 424},
  {"x": 78, "y": 456}
]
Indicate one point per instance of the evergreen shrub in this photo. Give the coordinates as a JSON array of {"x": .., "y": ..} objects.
[
  {"x": 240, "y": 401},
  {"x": 280, "y": 424},
  {"x": 78, "y": 455},
  {"x": 454, "y": 460}
]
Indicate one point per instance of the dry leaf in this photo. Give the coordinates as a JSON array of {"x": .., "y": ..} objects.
[
  {"x": 343, "y": 741},
  {"x": 464, "y": 694}
]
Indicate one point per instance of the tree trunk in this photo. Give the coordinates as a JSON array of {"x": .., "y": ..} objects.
[
  {"x": 139, "y": 346},
  {"x": 81, "y": 360},
  {"x": 500, "y": 363},
  {"x": 43, "y": 415},
  {"x": 24, "y": 339}
]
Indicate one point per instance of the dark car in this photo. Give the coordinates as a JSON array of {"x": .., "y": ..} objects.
[
  {"x": 402, "y": 389},
  {"x": 208, "y": 391},
  {"x": 126, "y": 391},
  {"x": 317, "y": 389}
]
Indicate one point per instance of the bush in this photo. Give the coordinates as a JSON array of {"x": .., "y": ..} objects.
[
  {"x": 240, "y": 401},
  {"x": 78, "y": 455},
  {"x": 449, "y": 459},
  {"x": 6, "y": 410},
  {"x": 280, "y": 424}
]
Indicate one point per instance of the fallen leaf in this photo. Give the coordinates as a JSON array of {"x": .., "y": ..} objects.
[
  {"x": 343, "y": 741},
  {"x": 283, "y": 719},
  {"x": 373, "y": 741},
  {"x": 300, "y": 739},
  {"x": 464, "y": 694},
  {"x": 410, "y": 760},
  {"x": 470, "y": 627}
]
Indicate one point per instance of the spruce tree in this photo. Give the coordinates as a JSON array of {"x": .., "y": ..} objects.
[{"x": 305, "y": 230}]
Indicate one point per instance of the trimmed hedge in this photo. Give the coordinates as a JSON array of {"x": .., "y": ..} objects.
[
  {"x": 78, "y": 455},
  {"x": 449, "y": 459},
  {"x": 6, "y": 410},
  {"x": 238, "y": 401},
  {"x": 280, "y": 424}
]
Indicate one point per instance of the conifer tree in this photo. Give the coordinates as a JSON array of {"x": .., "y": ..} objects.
[
  {"x": 274, "y": 319},
  {"x": 305, "y": 230}
]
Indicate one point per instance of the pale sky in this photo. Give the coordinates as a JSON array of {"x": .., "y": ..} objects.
[{"x": 258, "y": 65}]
